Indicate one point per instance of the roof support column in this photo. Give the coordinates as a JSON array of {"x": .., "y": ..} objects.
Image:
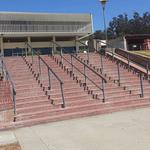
[
  {"x": 2, "y": 46},
  {"x": 125, "y": 44},
  {"x": 54, "y": 45},
  {"x": 29, "y": 42},
  {"x": 77, "y": 44}
]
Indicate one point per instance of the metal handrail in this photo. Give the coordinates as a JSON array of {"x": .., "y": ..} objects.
[
  {"x": 9, "y": 78},
  {"x": 49, "y": 69},
  {"x": 128, "y": 58},
  {"x": 85, "y": 65},
  {"x": 122, "y": 62},
  {"x": 82, "y": 63},
  {"x": 103, "y": 78},
  {"x": 82, "y": 73},
  {"x": 85, "y": 76}
]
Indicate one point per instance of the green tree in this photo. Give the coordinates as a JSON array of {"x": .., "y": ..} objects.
[{"x": 122, "y": 25}]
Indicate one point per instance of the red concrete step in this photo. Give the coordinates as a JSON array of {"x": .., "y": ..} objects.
[{"x": 83, "y": 113}]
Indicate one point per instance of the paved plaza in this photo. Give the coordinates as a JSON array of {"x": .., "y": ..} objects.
[{"x": 128, "y": 130}]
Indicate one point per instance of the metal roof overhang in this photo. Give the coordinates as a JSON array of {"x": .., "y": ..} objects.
[{"x": 40, "y": 34}]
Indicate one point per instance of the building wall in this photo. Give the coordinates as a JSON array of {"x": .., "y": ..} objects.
[
  {"x": 18, "y": 28},
  {"x": 38, "y": 44},
  {"x": 40, "y": 22}
]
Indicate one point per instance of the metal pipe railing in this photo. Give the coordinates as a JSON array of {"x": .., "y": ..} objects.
[
  {"x": 103, "y": 78},
  {"x": 85, "y": 76},
  {"x": 50, "y": 71},
  {"x": 82, "y": 63},
  {"x": 141, "y": 85},
  {"x": 6, "y": 76},
  {"x": 128, "y": 64}
]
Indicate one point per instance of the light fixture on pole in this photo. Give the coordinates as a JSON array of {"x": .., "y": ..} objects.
[{"x": 103, "y": 3}]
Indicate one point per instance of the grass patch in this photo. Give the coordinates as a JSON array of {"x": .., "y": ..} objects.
[{"x": 143, "y": 53}]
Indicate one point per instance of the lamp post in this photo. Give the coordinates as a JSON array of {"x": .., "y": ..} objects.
[{"x": 103, "y": 3}]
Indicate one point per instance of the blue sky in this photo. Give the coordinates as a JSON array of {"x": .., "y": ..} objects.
[{"x": 113, "y": 8}]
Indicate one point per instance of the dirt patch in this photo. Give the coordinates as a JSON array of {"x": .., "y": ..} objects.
[{"x": 15, "y": 146}]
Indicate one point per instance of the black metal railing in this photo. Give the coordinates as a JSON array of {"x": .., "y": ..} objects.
[
  {"x": 6, "y": 76},
  {"x": 49, "y": 72},
  {"x": 84, "y": 72}
]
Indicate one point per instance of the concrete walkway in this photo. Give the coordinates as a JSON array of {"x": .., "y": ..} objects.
[{"x": 129, "y": 130}]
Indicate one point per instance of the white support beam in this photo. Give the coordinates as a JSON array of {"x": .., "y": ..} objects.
[
  {"x": 125, "y": 44},
  {"x": 29, "y": 42},
  {"x": 54, "y": 46},
  {"x": 83, "y": 37},
  {"x": 77, "y": 45},
  {"x": 2, "y": 46}
]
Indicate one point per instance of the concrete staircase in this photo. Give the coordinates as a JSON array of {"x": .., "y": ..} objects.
[
  {"x": 129, "y": 80},
  {"x": 5, "y": 96},
  {"x": 36, "y": 103}
]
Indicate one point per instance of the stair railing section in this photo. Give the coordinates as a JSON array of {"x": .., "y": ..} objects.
[
  {"x": 40, "y": 63},
  {"x": 136, "y": 59},
  {"x": 127, "y": 65},
  {"x": 82, "y": 72},
  {"x": 86, "y": 67},
  {"x": 114, "y": 52},
  {"x": 102, "y": 68},
  {"x": 6, "y": 76}
]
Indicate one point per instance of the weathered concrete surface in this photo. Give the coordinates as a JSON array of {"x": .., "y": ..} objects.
[
  {"x": 129, "y": 130},
  {"x": 8, "y": 141},
  {"x": 7, "y": 137}
]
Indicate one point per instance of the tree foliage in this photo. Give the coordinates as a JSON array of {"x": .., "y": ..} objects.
[{"x": 122, "y": 25}]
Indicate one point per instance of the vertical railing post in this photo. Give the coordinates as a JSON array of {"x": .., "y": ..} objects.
[
  {"x": 71, "y": 63},
  {"x": 141, "y": 86},
  {"x": 6, "y": 75},
  {"x": 61, "y": 54},
  {"x": 32, "y": 56},
  {"x": 62, "y": 94},
  {"x": 2, "y": 68},
  {"x": 88, "y": 56},
  {"x": 14, "y": 101},
  {"x": 118, "y": 70},
  {"x": 85, "y": 74},
  {"x": 39, "y": 67},
  {"x": 102, "y": 66},
  {"x": 147, "y": 71},
  {"x": 128, "y": 62},
  {"x": 103, "y": 90},
  {"x": 49, "y": 78}
]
